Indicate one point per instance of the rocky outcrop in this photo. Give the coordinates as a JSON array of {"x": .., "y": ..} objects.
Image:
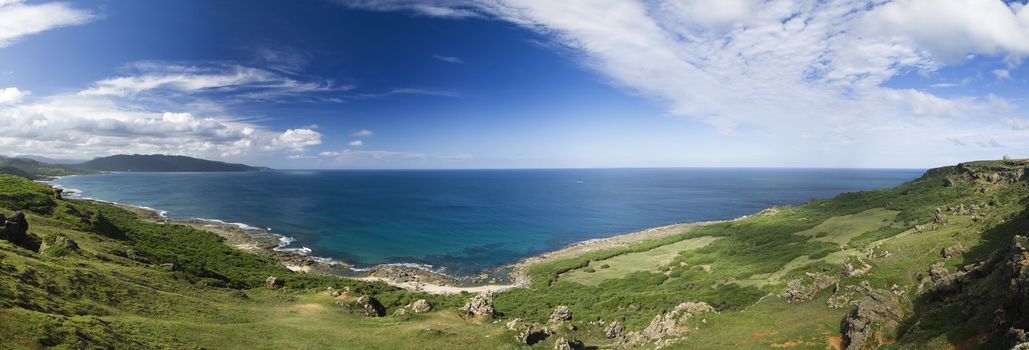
[
  {"x": 372, "y": 307},
  {"x": 798, "y": 291},
  {"x": 421, "y": 306},
  {"x": 560, "y": 314},
  {"x": 669, "y": 324},
  {"x": 949, "y": 252},
  {"x": 874, "y": 320},
  {"x": 855, "y": 267},
  {"x": 479, "y": 305},
  {"x": 58, "y": 245},
  {"x": 563, "y": 343},
  {"x": 15, "y": 229},
  {"x": 613, "y": 330},
  {"x": 529, "y": 333},
  {"x": 272, "y": 282}
]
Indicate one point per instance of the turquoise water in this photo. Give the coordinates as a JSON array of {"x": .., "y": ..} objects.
[{"x": 464, "y": 221}]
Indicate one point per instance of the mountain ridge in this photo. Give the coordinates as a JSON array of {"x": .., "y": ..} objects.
[{"x": 163, "y": 163}]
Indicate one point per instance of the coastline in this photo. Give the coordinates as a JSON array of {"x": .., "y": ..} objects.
[{"x": 407, "y": 276}]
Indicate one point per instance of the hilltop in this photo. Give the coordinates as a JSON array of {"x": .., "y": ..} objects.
[
  {"x": 933, "y": 263},
  {"x": 37, "y": 170},
  {"x": 161, "y": 163}
]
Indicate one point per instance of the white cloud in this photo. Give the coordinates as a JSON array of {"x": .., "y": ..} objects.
[
  {"x": 18, "y": 19},
  {"x": 1002, "y": 74},
  {"x": 356, "y": 143},
  {"x": 384, "y": 158},
  {"x": 243, "y": 81},
  {"x": 409, "y": 91},
  {"x": 297, "y": 139},
  {"x": 362, "y": 133},
  {"x": 449, "y": 59},
  {"x": 11, "y": 95},
  {"x": 446, "y": 8},
  {"x": 149, "y": 120},
  {"x": 807, "y": 77},
  {"x": 950, "y": 29}
]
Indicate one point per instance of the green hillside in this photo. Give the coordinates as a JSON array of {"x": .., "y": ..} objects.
[{"x": 892, "y": 267}]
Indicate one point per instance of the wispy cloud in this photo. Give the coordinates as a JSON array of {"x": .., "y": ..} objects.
[
  {"x": 356, "y": 143},
  {"x": 441, "y": 8},
  {"x": 409, "y": 91},
  {"x": 801, "y": 74},
  {"x": 240, "y": 81},
  {"x": 449, "y": 59},
  {"x": 18, "y": 19},
  {"x": 362, "y": 133}
]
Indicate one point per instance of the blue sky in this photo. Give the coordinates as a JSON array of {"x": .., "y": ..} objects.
[{"x": 517, "y": 83}]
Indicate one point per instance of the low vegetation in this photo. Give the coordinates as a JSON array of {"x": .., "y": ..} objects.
[{"x": 786, "y": 277}]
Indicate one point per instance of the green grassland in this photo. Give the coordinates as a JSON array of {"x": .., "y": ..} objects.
[{"x": 117, "y": 289}]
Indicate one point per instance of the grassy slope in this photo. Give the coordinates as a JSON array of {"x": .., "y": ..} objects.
[{"x": 111, "y": 293}]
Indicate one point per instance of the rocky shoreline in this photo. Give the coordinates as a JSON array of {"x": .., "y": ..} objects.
[{"x": 409, "y": 277}]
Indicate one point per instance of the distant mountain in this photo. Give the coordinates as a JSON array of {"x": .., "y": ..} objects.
[
  {"x": 162, "y": 163},
  {"x": 35, "y": 169},
  {"x": 49, "y": 160}
]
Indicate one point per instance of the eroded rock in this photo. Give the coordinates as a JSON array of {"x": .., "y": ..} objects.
[
  {"x": 58, "y": 245},
  {"x": 872, "y": 322},
  {"x": 421, "y": 306},
  {"x": 479, "y": 305},
  {"x": 949, "y": 252},
  {"x": 372, "y": 307},
  {"x": 669, "y": 324},
  {"x": 613, "y": 330},
  {"x": 272, "y": 282},
  {"x": 798, "y": 291}
]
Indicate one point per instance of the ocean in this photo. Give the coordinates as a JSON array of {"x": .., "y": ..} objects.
[{"x": 464, "y": 221}]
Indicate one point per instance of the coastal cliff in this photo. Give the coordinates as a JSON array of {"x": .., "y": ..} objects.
[{"x": 933, "y": 263}]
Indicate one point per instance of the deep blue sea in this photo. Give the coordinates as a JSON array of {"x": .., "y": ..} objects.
[{"x": 467, "y": 220}]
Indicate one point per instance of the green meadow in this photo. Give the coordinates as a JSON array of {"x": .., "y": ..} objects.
[{"x": 134, "y": 284}]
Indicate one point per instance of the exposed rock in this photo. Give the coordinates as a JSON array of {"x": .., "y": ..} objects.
[
  {"x": 513, "y": 324},
  {"x": 560, "y": 314},
  {"x": 952, "y": 251},
  {"x": 797, "y": 291},
  {"x": 479, "y": 305},
  {"x": 948, "y": 182},
  {"x": 938, "y": 217},
  {"x": 171, "y": 267},
  {"x": 855, "y": 268},
  {"x": 372, "y": 307},
  {"x": 874, "y": 319},
  {"x": 563, "y": 343},
  {"x": 15, "y": 229},
  {"x": 613, "y": 330},
  {"x": 665, "y": 325},
  {"x": 272, "y": 282},
  {"x": 58, "y": 245},
  {"x": 421, "y": 306},
  {"x": 531, "y": 333},
  {"x": 937, "y": 271},
  {"x": 57, "y": 192}
]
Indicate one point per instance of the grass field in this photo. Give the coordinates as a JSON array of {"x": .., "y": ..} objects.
[
  {"x": 132, "y": 284},
  {"x": 653, "y": 260}
]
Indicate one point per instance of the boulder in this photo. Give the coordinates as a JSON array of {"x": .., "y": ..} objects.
[
  {"x": 421, "y": 306},
  {"x": 613, "y": 330},
  {"x": 563, "y": 343},
  {"x": 531, "y": 333},
  {"x": 15, "y": 229},
  {"x": 479, "y": 305},
  {"x": 872, "y": 322},
  {"x": 664, "y": 325},
  {"x": 372, "y": 307},
  {"x": 797, "y": 291},
  {"x": 272, "y": 282},
  {"x": 856, "y": 267},
  {"x": 938, "y": 217},
  {"x": 949, "y": 252},
  {"x": 560, "y": 314},
  {"x": 58, "y": 245}
]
